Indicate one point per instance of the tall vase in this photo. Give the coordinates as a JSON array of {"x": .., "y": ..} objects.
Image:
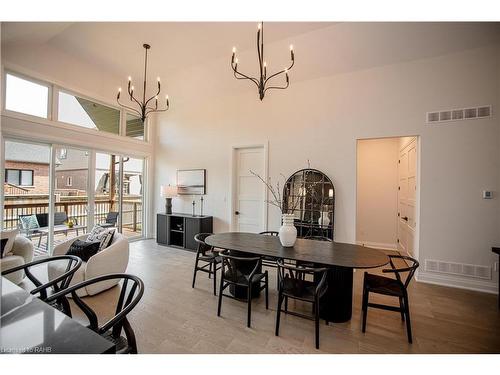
[
  {"x": 324, "y": 220},
  {"x": 288, "y": 232}
]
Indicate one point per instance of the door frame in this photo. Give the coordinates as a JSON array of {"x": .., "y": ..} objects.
[
  {"x": 232, "y": 185},
  {"x": 417, "y": 194}
]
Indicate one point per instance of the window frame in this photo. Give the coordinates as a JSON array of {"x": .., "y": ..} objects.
[
  {"x": 58, "y": 90},
  {"x": 19, "y": 172},
  {"x": 40, "y": 82},
  {"x": 52, "y": 108}
]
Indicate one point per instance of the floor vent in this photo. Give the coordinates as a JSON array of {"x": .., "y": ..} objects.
[
  {"x": 469, "y": 270},
  {"x": 459, "y": 114}
]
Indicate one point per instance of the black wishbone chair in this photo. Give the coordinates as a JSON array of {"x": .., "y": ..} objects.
[
  {"x": 293, "y": 285},
  {"x": 391, "y": 287},
  {"x": 232, "y": 276},
  {"x": 205, "y": 254},
  {"x": 59, "y": 283},
  {"x": 269, "y": 261},
  {"x": 111, "y": 330}
]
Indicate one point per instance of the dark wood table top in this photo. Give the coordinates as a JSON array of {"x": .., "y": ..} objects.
[
  {"x": 321, "y": 252},
  {"x": 28, "y": 325},
  {"x": 496, "y": 250}
]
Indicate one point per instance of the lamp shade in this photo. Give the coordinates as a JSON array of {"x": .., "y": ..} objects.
[{"x": 168, "y": 191}]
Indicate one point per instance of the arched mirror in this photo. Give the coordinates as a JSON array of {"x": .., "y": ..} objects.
[{"x": 310, "y": 195}]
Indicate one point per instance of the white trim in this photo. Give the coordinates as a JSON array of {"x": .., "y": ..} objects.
[
  {"x": 120, "y": 143},
  {"x": 91, "y": 190},
  {"x": 457, "y": 282},
  {"x": 52, "y": 204},
  {"x": 232, "y": 184}
]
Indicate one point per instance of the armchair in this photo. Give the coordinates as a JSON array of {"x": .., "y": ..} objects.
[
  {"x": 21, "y": 253},
  {"x": 113, "y": 259}
]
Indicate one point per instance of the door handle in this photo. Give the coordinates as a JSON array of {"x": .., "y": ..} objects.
[
  {"x": 405, "y": 218},
  {"x": 236, "y": 212}
]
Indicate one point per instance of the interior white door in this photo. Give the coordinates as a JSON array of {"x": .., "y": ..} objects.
[
  {"x": 407, "y": 172},
  {"x": 249, "y": 190}
]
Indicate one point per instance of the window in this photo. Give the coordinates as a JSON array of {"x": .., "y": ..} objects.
[
  {"x": 69, "y": 181},
  {"x": 134, "y": 127},
  {"x": 88, "y": 114},
  {"x": 26, "y": 96},
  {"x": 19, "y": 177}
]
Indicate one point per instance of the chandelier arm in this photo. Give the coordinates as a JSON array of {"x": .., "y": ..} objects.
[
  {"x": 259, "y": 52},
  {"x": 130, "y": 108},
  {"x": 281, "y": 71},
  {"x": 154, "y": 96},
  {"x": 158, "y": 110},
  {"x": 133, "y": 98},
  {"x": 254, "y": 80},
  {"x": 277, "y": 88}
]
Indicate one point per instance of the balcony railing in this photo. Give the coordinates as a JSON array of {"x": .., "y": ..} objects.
[{"x": 75, "y": 209}]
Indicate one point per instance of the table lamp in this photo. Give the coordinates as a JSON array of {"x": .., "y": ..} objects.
[{"x": 168, "y": 192}]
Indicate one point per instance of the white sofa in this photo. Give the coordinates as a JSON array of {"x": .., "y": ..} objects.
[
  {"x": 113, "y": 259},
  {"x": 21, "y": 253}
]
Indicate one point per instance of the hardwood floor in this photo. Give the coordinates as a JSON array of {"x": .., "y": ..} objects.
[{"x": 174, "y": 318}]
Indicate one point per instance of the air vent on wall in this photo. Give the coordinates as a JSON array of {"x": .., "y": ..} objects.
[
  {"x": 459, "y": 114},
  {"x": 469, "y": 270}
]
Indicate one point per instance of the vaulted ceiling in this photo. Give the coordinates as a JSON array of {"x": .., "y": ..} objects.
[{"x": 201, "y": 51}]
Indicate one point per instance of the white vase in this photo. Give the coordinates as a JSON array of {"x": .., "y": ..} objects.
[
  {"x": 288, "y": 232},
  {"x": 324, "y": 220}
]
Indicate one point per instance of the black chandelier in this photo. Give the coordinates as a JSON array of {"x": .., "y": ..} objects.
[
  {"x": 144, "y": 108},
  {"x": 264, "y": 79}
]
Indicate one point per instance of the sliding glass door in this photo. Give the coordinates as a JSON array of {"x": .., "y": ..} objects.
[
  {"x": 53, "y": 193},
  {"x": 133, "y": 191},
  {"x": 71, "y": 192},
  {"x": 26, "y": 189}
]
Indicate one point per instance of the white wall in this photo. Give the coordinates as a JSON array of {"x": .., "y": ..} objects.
[
  {"x": 377, "y": 192},
  {"x": 321, "y": 119}
]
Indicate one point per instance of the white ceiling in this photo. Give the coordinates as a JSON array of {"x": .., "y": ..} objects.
[{"x": 202, "y": 50}]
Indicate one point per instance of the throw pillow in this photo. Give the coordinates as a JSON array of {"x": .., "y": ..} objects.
[
  {"x": 107, "y": 239},
  {"x": 83, "y": 249},
  {"x": 3, "y": 242},
  {"x": 10, "y": 235},
  {"x": 29, "y": 222},
  {"x": 96, "y": 233}
]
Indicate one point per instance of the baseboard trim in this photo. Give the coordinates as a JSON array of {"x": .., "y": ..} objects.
[
  {"x": 457, "y": 282},
  {"x": 378, "y": 245}
]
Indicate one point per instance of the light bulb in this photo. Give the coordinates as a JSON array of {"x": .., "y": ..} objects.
[
  {"x": 158, "y": 79},
  {"x": 166, "y": 97},
  {"x": 129, "y": 78},
  {"x": 119, "y": 89},
  {"x": 132, "y": 88},
  {"x": 236, "y": 60},
  {"x": 234, "y": 49},
  {"x": 291, "y": 47},
  {"x": 156, "y": 97},
  {"x": 265, "y": 64},
  {"x": 259, "y": 26}
]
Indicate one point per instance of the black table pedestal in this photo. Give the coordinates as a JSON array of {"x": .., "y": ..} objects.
[{"x": 336, "y": 303}]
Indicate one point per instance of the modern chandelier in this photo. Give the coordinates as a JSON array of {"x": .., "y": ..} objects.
[
  {"x": 145, "y": 108},
  {"x": 263, "y": 80}
]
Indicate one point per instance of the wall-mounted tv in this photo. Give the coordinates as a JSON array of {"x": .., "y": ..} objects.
[{"x": 191, "y": 181}]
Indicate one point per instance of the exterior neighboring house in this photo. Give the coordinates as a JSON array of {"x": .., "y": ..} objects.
[{"x": 26, "y": 168}]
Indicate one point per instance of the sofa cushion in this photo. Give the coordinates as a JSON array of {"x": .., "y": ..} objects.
[
  {"x": 84, "y": 249},
  {"x": 29, "y": 222},
  {"x": 10, "y": 235}
]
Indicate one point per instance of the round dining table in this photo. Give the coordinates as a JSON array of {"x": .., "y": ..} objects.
[{"x": 340, "y": 259}]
